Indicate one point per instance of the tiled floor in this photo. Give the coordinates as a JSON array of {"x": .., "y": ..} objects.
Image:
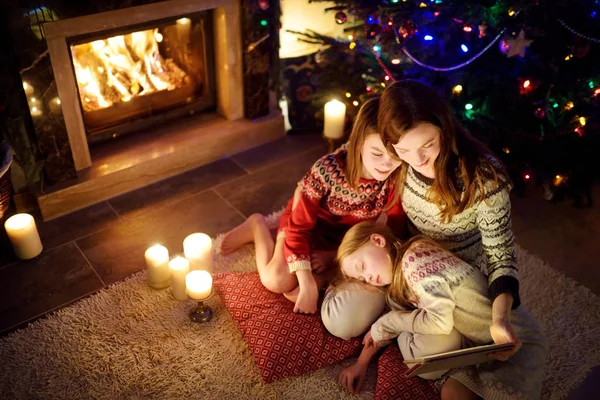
[{"x": 90, "y": 249}]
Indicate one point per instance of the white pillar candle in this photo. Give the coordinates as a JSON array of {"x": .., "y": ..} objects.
[
  {"x": 335, "y": 117},
  {"x": 199, "y": 285},
  {"x": 23, "y": 236},
  {"x": 197, "y": 248},
  {"x": 179, "y": 267},
  {"x": 158, "y": 273}
]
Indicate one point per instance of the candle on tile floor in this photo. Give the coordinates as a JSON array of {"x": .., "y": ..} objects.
[
  {"x": 23, "y": 236},
  {"x": 158, "y": 273},
  {"x": 197, "y": 248},
  {"x": 199, "y": 285},
  {"x": 335, "y": 117},
  {"x": 179, "y": 267}
]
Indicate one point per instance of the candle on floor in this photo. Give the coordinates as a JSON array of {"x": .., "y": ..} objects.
[
  {"x": 158, "y": 273},
  {"x": 179, "y": 267},
  {"x": 23, "y": 236},
  {"x": 197, "y": 248},
  {"x": 335, "y": 117},
  {"x": 199, "y": 285}
]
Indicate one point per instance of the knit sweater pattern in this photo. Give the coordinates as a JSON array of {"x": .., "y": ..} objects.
[
  {"x": 328, "y": 206},
  {"x": 481, "y": 235}
]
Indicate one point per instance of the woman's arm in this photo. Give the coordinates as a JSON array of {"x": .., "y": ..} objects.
[
  {"x": 501, "y": 329},
  {"x": 494, "y": 222}
]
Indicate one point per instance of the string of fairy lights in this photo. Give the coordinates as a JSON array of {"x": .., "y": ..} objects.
[{"x": 526, "y": 85}]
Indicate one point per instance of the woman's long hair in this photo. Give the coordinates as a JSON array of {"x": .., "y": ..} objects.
[
  {"x": 365, "y": 124},
  {"x": 464, "y": 165},
  {"x": 359, "y": 235}
]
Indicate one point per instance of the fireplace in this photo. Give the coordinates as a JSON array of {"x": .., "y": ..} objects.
[
  {"x": 120, "y": 99},
  {"x": 141, "y": 75}
]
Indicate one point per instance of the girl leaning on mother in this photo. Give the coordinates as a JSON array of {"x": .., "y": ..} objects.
[{"x": 453, "y": 191}]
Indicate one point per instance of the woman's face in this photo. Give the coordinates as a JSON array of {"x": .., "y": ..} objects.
[
  {"x": 419, "y": 147},
  {"x": 377, "y": 162},
  {"x": 371, "y": 263}
]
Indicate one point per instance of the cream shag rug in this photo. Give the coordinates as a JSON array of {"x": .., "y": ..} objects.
[{"x": 132, "y": 342}]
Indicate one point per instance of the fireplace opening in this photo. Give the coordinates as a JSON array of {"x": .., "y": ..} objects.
[{"x": 141, "y": 76}]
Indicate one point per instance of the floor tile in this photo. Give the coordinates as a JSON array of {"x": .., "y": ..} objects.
[
  {"x": 76, "y": 225},
  {"x": 169, "y": 191},
  {"x": 269, "y": 189},
  {"x": 56, "y": 278},
  {"x": 279, "y": 150},
  {"x": 118, "y": 251}
]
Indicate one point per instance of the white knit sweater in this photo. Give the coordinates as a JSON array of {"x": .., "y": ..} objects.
[{"x": 481, "y": 235}]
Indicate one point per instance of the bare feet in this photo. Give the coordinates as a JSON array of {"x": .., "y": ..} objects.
[
  {"x": 241, "y": 235},
  {"x": 293, "y": 295}
]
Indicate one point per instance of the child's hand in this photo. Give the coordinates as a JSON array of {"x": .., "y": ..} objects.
[
  {"x": 308, "y": 293},
  {"x": 368, "y": 340},
  {"x": 353, "y": 377},
  {"x": 503, "y": 332}
]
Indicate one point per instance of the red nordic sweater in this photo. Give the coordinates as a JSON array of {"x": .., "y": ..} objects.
[{"x": 328, "y": 207}]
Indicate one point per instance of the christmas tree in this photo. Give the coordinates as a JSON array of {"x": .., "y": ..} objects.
[{"x": 522, "y": 76}]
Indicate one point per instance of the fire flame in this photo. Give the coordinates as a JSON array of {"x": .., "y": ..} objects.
[{"x": 122, "y": 67}]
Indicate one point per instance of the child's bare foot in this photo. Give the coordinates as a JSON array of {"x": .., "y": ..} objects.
[
  {"x": 241, "y": 235},
  {"x": 293, "y": 295}
]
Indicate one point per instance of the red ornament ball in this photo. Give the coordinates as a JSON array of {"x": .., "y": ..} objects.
[
  {"x": 264, "y": 4},
  {"x": 540, "y": 113},
  {"x": 340, "y": 17}
]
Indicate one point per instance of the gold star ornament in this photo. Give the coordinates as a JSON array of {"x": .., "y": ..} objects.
[{"x": 518, "y": 45}]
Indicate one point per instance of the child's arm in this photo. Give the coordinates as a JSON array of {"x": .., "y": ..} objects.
[
  {"x": 433, "y": 317},
  {"x": 308, "y": 294},
  {"x": 353, "y": 377},
  {"x": 302, "y": 221}
]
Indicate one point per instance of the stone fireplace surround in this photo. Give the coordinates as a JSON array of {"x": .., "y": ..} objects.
[{"x": 132, "y": 162}]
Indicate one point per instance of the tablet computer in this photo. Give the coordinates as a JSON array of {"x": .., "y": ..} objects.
[{"x": 454, "y": 359}]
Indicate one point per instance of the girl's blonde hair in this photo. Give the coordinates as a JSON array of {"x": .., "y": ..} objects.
[
  {"x": 365, "y": 124},
  {"x": 464, "y": 165},
  {"x": 359, "y": 235}
]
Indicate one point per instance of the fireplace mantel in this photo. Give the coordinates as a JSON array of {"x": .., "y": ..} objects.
[
  {"x": 227, "y": 45},
  {"x": 109, "y": 169}
]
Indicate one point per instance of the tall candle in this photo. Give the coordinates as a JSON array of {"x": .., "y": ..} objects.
[
  {"x": 158, "y": 273},
  {"x": 199, "y": 285},
  {"x": 335, "y": 117},
  {"x": 197, "y": 248},
  {"x": 23, "y": 236},
  {"x": 179, "y": 267}
]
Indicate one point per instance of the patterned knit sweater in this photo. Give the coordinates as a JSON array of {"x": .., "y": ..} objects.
[
  {"x": 328, "y": 206},
  {"x": 481, "y": 235},
  {"x": 452, "y": 294}
]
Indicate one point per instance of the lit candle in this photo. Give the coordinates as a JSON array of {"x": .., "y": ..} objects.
[
  {"x": 199, "y": 285},
  {"x": 23, "y": 236},
  {"x": 179, "y": 267},
  {"x": 335, "y": 116},
  {"x": 157, "y": 263},
  {"x": 197, "y": 248}
]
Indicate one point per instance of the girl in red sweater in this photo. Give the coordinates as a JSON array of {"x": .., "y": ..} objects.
[{"x": 351, "y": 185}]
